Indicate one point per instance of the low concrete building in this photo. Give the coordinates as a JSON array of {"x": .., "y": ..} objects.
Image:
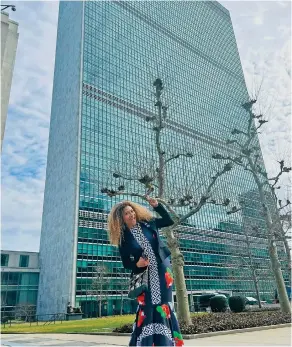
[{"x": 19, "y": 281}]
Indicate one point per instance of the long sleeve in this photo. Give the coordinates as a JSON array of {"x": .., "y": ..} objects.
[
  {"x": 165, "y": 220},
  {"x": 128, "y": 263}
]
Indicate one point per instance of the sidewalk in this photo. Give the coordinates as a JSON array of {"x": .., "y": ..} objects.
[{"x": 271, "y": 337}]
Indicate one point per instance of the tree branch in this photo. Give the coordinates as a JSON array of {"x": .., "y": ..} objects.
[
  {"x": 236, "y": 160},
  {"x": 234, "y": 209},
  {"x": 283, "y": 169},
  {"x": 126, "y": 178},
  {"x": 169, "y": 207},
  {"x": 176, "y": 156},
  {"x": 112, "y": 193},
  {"x": 206, "y": 195}
]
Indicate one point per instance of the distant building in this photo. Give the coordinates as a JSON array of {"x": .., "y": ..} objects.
[
  {"x": 9, "y": 39},
  {"x": 19, "y": 280}
]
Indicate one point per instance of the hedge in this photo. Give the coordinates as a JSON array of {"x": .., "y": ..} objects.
[{"x": 226, "y": 321}]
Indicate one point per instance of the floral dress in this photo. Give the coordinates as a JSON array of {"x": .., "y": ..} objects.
[{"x": 156, "y": 322}]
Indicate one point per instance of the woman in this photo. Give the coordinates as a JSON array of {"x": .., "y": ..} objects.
[{"x": 134, "y": 230}]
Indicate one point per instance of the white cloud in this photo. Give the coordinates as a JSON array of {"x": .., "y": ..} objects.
[
  {"x": 26, "y": 138},
  {"x": 258, "y": 20},
  {"x": 263, "y": 32},
  {"x": 266, "y": 60}
]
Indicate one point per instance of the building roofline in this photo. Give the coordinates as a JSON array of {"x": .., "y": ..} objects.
[
  {"x": 9, "y": 19},
  {"x": 13, "y": 251}
]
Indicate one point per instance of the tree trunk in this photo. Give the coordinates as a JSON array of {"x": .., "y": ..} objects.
[
  {"x": 99, "y": 307},
  {"x": 252, "y": 267},
  {"x": 183, "y": 311},
  {"x": 276, "y": 267},
  {"x": 122, "y": 303},
  {"x": 288, "y": 253},
  {"x": 281, "y": 288},
  {"x": 256, "y": 287}
]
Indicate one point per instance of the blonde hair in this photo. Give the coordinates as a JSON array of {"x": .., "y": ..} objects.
[{"x": 116, "y": 222}]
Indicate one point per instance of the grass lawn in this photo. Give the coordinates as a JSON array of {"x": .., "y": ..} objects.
[{"x": 104, "y": 324}]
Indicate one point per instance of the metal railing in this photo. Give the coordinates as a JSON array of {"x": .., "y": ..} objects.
[{"x": 35, "y": 319}]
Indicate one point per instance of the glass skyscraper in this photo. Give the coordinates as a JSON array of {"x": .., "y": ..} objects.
[{"x": 108, "y": 55}]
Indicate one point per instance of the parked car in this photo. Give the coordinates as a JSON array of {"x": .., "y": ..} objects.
[{"x": 251, "y": 301}]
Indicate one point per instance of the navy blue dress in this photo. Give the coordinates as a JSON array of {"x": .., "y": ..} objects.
[{"x": 156, "y": 322}]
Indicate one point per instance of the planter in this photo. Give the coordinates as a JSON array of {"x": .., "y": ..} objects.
[{"x": 74, "y": 316}]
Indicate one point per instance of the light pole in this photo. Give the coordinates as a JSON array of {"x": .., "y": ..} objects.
[{"x": 4, "y": 7}]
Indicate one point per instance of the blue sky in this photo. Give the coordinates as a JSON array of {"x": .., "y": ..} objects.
[{"x": 263, "y": 33}]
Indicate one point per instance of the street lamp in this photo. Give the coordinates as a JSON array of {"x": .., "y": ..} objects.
[{"x": 4, "y": 7}]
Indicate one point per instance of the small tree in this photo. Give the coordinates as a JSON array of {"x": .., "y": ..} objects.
[
  {"x": 155, "y": 179},
  {"x": 245, "y": 260},
  {"x": 250, "y": 158},
  {"x": 123, "y": 286},
  {"x": 25, "y": 311},
  {"x": 98, "y": 283},
  {"x": 283, "y": 230}
]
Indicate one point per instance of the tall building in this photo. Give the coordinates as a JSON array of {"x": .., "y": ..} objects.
[
  {"x": 19, "y": 282},
  {"x": 9, "y": 39},
  {"x": 107, "y": 58}
]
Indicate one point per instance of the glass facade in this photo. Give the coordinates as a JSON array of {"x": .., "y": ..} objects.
[
  {"x": 108, "y": 55},
  {"x": 192, "y": 47},
  {"x": 18, "y": 289}
]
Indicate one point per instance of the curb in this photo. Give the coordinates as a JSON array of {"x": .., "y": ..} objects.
[
  {"x": 185, "y": 337},
  {"x": 202, "y": 335}
]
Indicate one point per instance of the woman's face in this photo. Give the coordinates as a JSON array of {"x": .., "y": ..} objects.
[{"x": 129, "y": 217}]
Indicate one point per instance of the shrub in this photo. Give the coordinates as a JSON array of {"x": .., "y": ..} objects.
[
  {"x": 229, "y": 321},
  {"x": 77, "y": 310},
  {"x": 205, "y": 323},
  {"x": 218, "y": 304},
  {"x": 127, "y": 328},
  {"x": 204, "y": 300},
  {"x": 236, "y": 303},
  {"x": 257, "y": 309}
]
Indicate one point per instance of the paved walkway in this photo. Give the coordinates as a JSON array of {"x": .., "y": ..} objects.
[{"x": 271, "y": 337}]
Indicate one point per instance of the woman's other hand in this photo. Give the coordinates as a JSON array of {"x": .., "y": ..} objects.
[
  {"x": 142, "y": 262},
  {"x": 152, "y": 202}
]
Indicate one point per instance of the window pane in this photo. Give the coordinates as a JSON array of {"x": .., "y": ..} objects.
[
  {"x": 23, "y": 261},
  {"x": 4, "y": 259}
]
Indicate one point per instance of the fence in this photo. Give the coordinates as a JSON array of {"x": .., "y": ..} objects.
[{"x": 34, "y": 319}]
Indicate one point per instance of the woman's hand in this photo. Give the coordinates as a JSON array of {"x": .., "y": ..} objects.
[
  {"x": 152, "y": 202},
  {"x": 142, "y": 262}
]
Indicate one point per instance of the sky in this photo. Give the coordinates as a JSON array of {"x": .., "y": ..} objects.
[{"x": 263, "y": 34}]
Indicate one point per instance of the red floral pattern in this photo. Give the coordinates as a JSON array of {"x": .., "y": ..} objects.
[
  {"x": 166, "y": 310},
  {"x": 178, "y": 339},
  {"x": 141, "y": 299},
  {"x": 178, "y": 342},
  {"x": 169, "y": 278},
  {"x": 141, "y": 317}
]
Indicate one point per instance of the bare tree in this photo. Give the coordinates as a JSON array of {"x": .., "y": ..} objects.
[
  {"x": 25, "y": 310},
  {"x": 283, "y": 230},
  {"x": 154, "y": 178},
  {"x": 98, "y": 283},
  {"x": 256, "y": 270},
  {"x": 123, "y": 286},
  {"x": 250, "y": 158}
]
